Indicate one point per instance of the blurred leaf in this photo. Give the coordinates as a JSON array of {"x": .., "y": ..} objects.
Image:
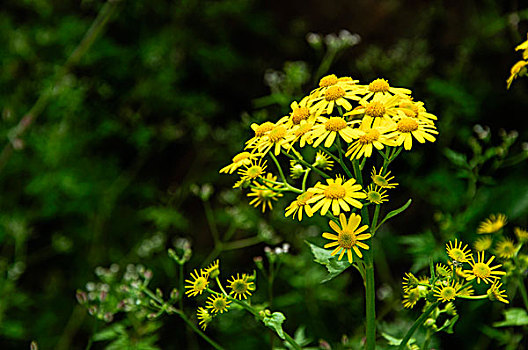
[
  {"x": 449, "y": 324},
  {"x": 458, "y": 159},
  {"x": 513, "y": 317},
  {"x": 275, "y": 322},
  {"x": 323, "y": 257},
  {"x": 395, "y": 212}
]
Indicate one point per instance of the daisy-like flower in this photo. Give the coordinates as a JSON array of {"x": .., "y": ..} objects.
[
  {"x": 483, "y": 243},
  {"x": 381, "y": 87},
  {"x": 303, "y": 133},
  {"x": 411, "y": 297},
  {"x": 506, "y": 249},
  {"x": 416, "y": 110},
  {"x": 408, "y": 128},
  {"x": 494, "y": 292},
  {"x": 265, "y": 194},
  {"x": 370, "y": 137},
  {"x": 240, "y": 286},
  {"x": 331, "y": 81},
  {"x": 380, "y": 108},
  {"x": 376, "y": 195},
  {"x": 457, "y": 252},
  {"x": 518, "y": 70},
  {"x": 243, "y": 158},
  {"x": 218, "y": 303},
  {"x": 337, "y": 94},
  {"x": 492, "y": 224},
  {"x": 260, "y": 130},
  {"x": 300, "y": 111},
  {"x": 522, "y": 46},
  {"x": 336, "y": 194},
  {"x": 299, "y": 205},
  {"x": 329, "y": 128},
  {"x": 253, "y": 171},
  {"x": 213, "y": 270},
  {"x": 296, "y": 169},
  {"x": 409, "y": 282},
  {"x": 277, "y": 138},
  {"x": 522, "y": 235},
  {"x": 204, "y": 316},
  {"x": 482, "y": 270},
  {"x": 348, "y": 236},
  {"x": 447, "y": 292},
  {"x": 383, "y": 181},
  {"x": 442, "y": 270},
  {"x": 322, "y": 161},
  {"x": 198, "y": 283},
  {"x": 467, "y": 292}
]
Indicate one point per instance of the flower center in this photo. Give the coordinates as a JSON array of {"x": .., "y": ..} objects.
[
  {"x": 448, "y": 293},
  {"x": 508, "y": 248},
  {"x": 263, "y": 128},
  {"x": 458, "y": 254},
  {"x": 371, "y": 135},
  {"x": 219, "y": 304},
  {"x": 303, "y": 198},
  {"x": 300, "y": 113},
  {"x": 346, "y": 239},
  {"x": 334, "y": 191},
  {"x": 277, "y": 133},
  {"x": 374, "y": 196},
  {"x": 327, "y": 81},
  {"x": 407, "y": 125},
  {"x": 334, "y": 92},
  {"x": 380, "y": 180},
  {"x": 379, "y": 85},
  {"x": 254, "y": 171},
  {"x": 241, "y": 156},
  {"x": 335, "y": 124},
  {"x": 346, "y": 80},
  {"x": 413, "y": 295},
  {"x": 481, "y": 270},
  {"x": 375, "y": 109},
  {"x": 200, "y": 283},
  {"x": 239, "y": 287}
]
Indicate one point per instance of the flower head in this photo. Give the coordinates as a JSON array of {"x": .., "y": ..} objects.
[
  {"x": 218, "y": 303},
  {"x": 409, "y": 281},
  {"x": 494, "y": 292},
  {"x": 240, "y": 286},
  {"x": 506, "y": 249},
  {"x": 243, "y": 158},
  {"x": 446, "y": 292},
  {"x": 337, "y": 195},
  {"x": 492, "y": 224},
  {"x": 411, "y": 297},
  {"x": 409, "y": 128},
  {"x": 198, "y": 283},
  {"x": 483, "y": 243},
  {"x": 482, "y": 270},
  {"x": 522, "y": 235},
  {"x": 457, "y": 253},
  {"x": 328, "y": 129},
  {"x": 375, "y": 194},
  {"x": 204, "y": 316},
  {"x": 348, "y": 236},
  {"x": 322, "y": 161},
  {"x": 382, "y": 181},
  {"x": 265, "y": 194},
  {"x": 253, "y": 170},
  {"x": 213, "y": 270},
  {"x": 300, "y": 204}
]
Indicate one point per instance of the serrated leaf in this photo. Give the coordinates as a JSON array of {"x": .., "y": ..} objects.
[
  {"x": 333, "y": 266},
  {"x": 513, "y": 317},
  {"x": 275, "y": 322},
  {"x": 395, "y": 212}
]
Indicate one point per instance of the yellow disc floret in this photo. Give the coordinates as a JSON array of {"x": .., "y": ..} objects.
[
  {"x": 335, "y": 124},
  {"x": 375, "y": 109},
  {"x": 334, "y": 92},
  {"x": 328, "y": 80},
  {"x": 379, "y": 85},
  {"x": 407, "y": 124}
]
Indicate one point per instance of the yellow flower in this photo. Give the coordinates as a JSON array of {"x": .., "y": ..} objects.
[
  {"x": 243, "y": 158},
  {"x": 518, "y": 69},
  {"x": 240, "y": 286},
  {"x": 328, "y": 129},
  {"x": 336, "y": 194},
  {"x": 494, "y": 292},
  {"x": 447, "y": 292},
  {"x": 213, "y": 270},
  {"x": 253, "y": 170},
  {"x": 198, "y": 283},
  {"x": 204, "y": 316},
  {"x": 416, "y": 110},
  {"x": 506, "y": 249},
  {"x": 303, "y": 133},
  {"x": 218, "y": 303},
  {"x": 260, "y": 130},
  {"x": 483, "y": 243},
  {"x": 300, "y": 111},
  {"x": 380, "y": 108},
  {"x": 299, "y": 204},
  {"x": 265, "y": 194},
  {"x": 322, "y": 161},
  {"x": 370, "y": 137},
  {"x": 408, "y": 128},
  {"x": 381, "y": 87},
  {"x": 348, "y": 236},
  {"x": 411, "y": 297},
  {"x": 483, "y": 271},
  {"x": 522, "y": 46},
  {"x": 442, "y": 270},
  {"x": 522, "y": 235},
  {"x": 376, "y": 195},
  {"x": 492, "y": 224},
  {"x": 277, "y": 138},
  {"x": 326, "y": 98},
  {"x": 409, "y": 282},
  {"x": 382, "y": 181},
  {"x": 457, "y": 253}
]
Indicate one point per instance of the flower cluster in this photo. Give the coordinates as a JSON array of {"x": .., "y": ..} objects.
[
  {"x": 519, "y": 69},
  {"x": 347, "y": 124},
  {"x": 241, "y": 287}
]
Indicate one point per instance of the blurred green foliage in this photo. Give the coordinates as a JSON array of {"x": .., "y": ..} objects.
[{"x": 163, "y": 99}]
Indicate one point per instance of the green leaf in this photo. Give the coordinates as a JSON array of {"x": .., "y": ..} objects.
[
  {"x": 395, "y": 212},
  {"x": 333, "y": 266},
  {"x": 275, "y": 322},
  {"x": 513, "y": 317},
  {"x": 395, "y": 341},
  {"x": 448, "y": 325},
  {"x": 110, "y": 333},
  {"x": 458, "y": 159}
]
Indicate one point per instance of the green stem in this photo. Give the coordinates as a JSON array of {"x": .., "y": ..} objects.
[
  {"x": 281, "y": 173},
  {"x": 305, "y": 178},
  {"x": 323, "y": 174},
  {"x": 343, "y": 165},
  {"x": 221, "y": 287},
  {"x": 357, "y": 172},
  {"x": 417, "y": 324},
  {"x": 522, "y": 289},
  {"x": 198, "y": 331},
  {"x": 473, "y": 297},
  {"x": 375, "y": 219},
  {"x": 180, "y": 285},
  {"x": 285, "y": 184},
  {"x": 370, "y": 296},
  {"x": 242, "y": 243},
  {"x": 209, "y": 215}
]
